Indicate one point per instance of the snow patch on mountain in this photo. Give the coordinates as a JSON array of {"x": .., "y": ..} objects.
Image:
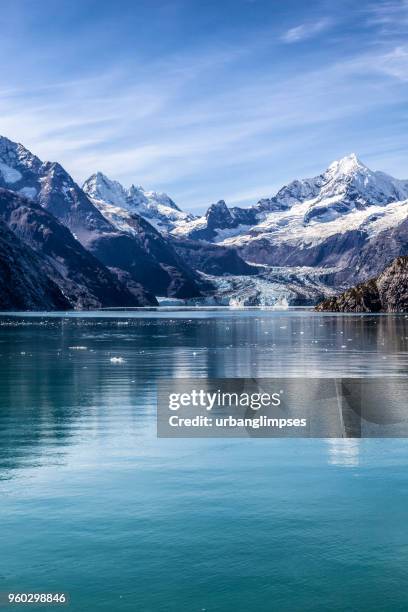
[
  {"x": 290, "y": 226},
  {"x": 28, "y": 192},
  {"x": 10, "y": 175},
  {"x": 119, "y": 217}
]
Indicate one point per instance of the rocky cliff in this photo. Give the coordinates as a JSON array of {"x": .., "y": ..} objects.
[{"x": 386, "y": 293}]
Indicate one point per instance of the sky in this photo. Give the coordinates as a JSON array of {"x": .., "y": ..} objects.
[{"x": 206, "y": 99}]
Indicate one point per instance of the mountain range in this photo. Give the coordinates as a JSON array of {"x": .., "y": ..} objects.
[{"x": 106, "y": 245}]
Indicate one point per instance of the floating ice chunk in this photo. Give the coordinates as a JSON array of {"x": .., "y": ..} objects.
[
  {"x": 117, "y": 360},
  {"x": 78, "y": 348}
]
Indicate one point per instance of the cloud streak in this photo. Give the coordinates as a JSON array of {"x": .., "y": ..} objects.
[{"x": 307, "y": 30}]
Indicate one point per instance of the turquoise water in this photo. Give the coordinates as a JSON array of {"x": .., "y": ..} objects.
[{"x": 93, "y": 504}]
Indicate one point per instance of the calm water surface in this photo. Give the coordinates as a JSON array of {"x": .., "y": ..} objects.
[{"x": 94, "y": 504}]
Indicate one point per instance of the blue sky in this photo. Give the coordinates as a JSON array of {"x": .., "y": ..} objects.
[{"x": 206, "y": 99}]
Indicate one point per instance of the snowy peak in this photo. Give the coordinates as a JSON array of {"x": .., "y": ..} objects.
[
  {"x": 347, "y": 184},
  {"x": 100, "y": 187},
  {"x": 356, "y": 184},
  {"x": 15, "y": 154},
  {"x": 111, "y": 196},
  {"x": 138, "y": 194},
  {"x": 293, "y": 193},
  {"x": 15, "y": 161},
  {"x": 347, "y": 180},
  {"x": 334, "y": 179},
  {"x": 347, "y": 165}
]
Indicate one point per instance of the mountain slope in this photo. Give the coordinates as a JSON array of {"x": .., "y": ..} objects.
[
  {"x": 152, "y": 260},
  {"x": 81, "y": 277},
  {"x": 115, "y": 204},
  {"x": 24, "y": 285},
  {"x": 213, "y": 258},
  {"x": 386, "y": 293}
]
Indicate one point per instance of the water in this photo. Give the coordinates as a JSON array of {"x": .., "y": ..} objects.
[{"x": 92, "y": 503}]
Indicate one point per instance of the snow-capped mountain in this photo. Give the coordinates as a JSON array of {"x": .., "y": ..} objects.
[
  {"x": 347, "y": 181},
  {"x": 324, "y": 221},
  {"x": 346, "y": 186},
  {"x": 313, "y": 237},
  {"x": 51, "y": 186},
  {"x": 143, "y": 260},
  {"x": 157, "y": 208}
]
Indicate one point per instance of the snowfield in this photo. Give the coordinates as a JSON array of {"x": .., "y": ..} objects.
[{"x": 289, "y": 226}]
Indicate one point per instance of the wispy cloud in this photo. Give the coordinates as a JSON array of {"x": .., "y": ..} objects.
[
  {"x": 388, "y": 13},
  {"x": 159, "y": 133},
  {"x": 306, "y": 30},
  {"x": 213, "y": 119},
  {"x": 395, "y": 63}
]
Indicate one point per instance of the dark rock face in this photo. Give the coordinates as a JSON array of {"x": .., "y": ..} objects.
[
  {"x": 393, "y": 286},
  {"x": 150, "y": 259},
  {"x": 386, "y": 293},
  {"x": 63, "y": 198},
  {"x": 333, "y": 251},
  {"x": 375, "y": 254},
  {"x": 212, "y": 258},
  {"x": 24, "y": 285},
  {"x": 244, "y": 216},
  {"x": 84, "y": 281},
  {"x": 220, "y": 217}
]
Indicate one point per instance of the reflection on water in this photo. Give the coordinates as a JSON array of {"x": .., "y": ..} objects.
[
  {"x": 344, "y": 452},
  {"x": 94, "y": 503}
]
